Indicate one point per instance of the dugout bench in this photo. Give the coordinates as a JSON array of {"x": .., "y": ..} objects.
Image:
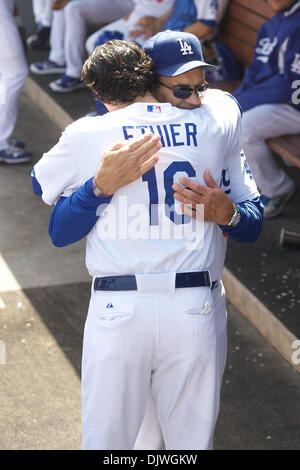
[{"x": 238, "y": 31}]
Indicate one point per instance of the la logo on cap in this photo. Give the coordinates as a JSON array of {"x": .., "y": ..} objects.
[{"x": 185, "y": 47}]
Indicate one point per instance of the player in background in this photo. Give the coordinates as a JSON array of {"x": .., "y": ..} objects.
[
  {"x": 269, "y": 97},
  {"x": 68, "y": 36},
  {"x": 198, "y": 17},
  {"x": 13, "y": 75},
  {"x": 123, "y": 28},
  {"x": 201, "y": 18},
  {"x": 120, "y": 28},
  {"x": 42, "y": 11},
  {"x": 242, "y": 187}
]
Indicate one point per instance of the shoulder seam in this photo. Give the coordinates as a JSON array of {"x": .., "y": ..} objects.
[{"x": 235, "y": 100}]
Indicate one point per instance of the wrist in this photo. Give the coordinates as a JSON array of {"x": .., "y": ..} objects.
[
  {"x": 98, "y": 191},
  {"x": 235, "y": 217}
]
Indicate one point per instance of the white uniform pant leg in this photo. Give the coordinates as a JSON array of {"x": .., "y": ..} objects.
[
  {"x": 123, "y": 25},
  {"x": 150, "y": 434},
  {"x": 164, "y": 337},
  {"x": 186, "y": 406},
  {"x": 42, "y": 12},
  {"x": 77, "y": 16},
  {"x": 116, "y": 369},
  {"x": 118, "y": 25},
  {"x": 37, "y": 7},
  {"x": 13, "y": 68},
  {"x": 57, "y": 37},
  {"x": 259, "y": 124}
]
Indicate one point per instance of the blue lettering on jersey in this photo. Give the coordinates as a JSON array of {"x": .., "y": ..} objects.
[
  {"x": 246, "y": 166},
  {"x": 225, "y": 181},
  {"x": 175, "y": 134},
  {"x": 168, "y": 142},
  {"x": 125, "y": 132},
  {"x": 172, "y": 135},
  {"x": 191, "y": 132},
  {"x": 143, "y": 128}
]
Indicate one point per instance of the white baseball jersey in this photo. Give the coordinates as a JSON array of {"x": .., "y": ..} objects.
[
  {"x": 13, "y": 70},
  {"x": 141, "y": 231}
]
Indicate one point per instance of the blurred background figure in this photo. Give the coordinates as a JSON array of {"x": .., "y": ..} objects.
[
  {"x": 56, "y": 59},
  {"x": 201, "y": 18},
  {"x": 14, "y": 71},
  {"x": 68, "y": 35},
  {"x": 127, "y": 27},
  {"x": 42, "y": 11},
  {"x": 266, "y": 97}
]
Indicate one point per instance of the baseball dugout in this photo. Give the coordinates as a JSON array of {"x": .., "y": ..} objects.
[{"x": 238, "y": 31}]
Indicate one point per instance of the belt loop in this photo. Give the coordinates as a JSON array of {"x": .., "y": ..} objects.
[
  {"x": 158, "y": 284},
  {"x": 209, "y": 280}
]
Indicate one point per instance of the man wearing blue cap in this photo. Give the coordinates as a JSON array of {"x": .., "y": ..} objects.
[
  {"x": 157, "y": 316},
  {"x": 179, "y": 69}
]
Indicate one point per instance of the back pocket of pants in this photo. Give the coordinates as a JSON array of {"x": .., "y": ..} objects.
[
  {"x": 111, "y": 311},
  {"x": 203, "y": 304}
]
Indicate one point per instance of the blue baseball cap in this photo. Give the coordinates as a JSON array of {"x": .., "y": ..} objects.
[{"x": 175, "y": 52}]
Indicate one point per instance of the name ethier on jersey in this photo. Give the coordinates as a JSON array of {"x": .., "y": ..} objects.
[{"x": 172, "y": 135}]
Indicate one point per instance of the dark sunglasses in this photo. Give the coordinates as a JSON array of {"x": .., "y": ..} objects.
[{"x": 183, "y": 92}]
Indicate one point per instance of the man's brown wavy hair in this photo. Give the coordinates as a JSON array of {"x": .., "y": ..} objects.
[{"x": 119, "y": 71}]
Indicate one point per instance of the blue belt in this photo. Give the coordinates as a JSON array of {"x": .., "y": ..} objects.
[{"x": 119, "y": 283}]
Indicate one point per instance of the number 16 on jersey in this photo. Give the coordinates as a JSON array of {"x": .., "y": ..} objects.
[{"x": 195, "y": 229}]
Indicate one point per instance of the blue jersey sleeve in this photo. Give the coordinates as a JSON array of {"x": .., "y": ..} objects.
[
  {"x": 251, "y": 223},
  {"x": 73, "y": 217},
  {"x": 36, "y": 187}
]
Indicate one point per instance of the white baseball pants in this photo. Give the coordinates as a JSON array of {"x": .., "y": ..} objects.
[
  {"x": 42, "y": 11},
  {"x": 13, "y": 69},
  {"x": 57, "y": 37},
  {"x": 259, "y": 124},
  {"x": 123, "y": 25},
  {"x": 68, "y": 34},
  {"x": 160, "y": 340}
]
